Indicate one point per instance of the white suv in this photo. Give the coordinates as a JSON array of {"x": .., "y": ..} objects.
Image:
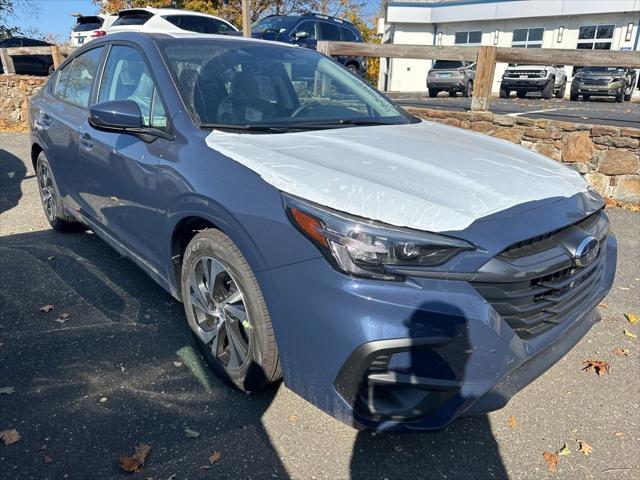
[
  {"x": 150, "y": 19},
  {"x": 548, "y": 80},
  {"x": 90, "y": 27}
]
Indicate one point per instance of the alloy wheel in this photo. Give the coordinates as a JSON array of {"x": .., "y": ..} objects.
[
  {"x": 47, "y": 192},
  {"x": 220, "y": 316}
]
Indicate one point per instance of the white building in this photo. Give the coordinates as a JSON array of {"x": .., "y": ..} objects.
[{"x": 583, "y": 24}]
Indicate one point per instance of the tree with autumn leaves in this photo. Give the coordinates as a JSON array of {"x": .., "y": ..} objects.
[{"x": 231, "y": 10}]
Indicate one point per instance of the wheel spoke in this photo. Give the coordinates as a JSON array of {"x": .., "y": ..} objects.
[
  {"x": 237, "y": 346},
  {"x": 212, "y": 273},
  {"x": 197, "y": 298},
  {"x": 237, "y": 313},
  {"x": 232, "y": 298}
]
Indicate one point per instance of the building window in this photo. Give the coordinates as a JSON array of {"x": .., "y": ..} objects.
[
  {"x": 595, "y": 37},
  {"x": 468, "y": 38},
  {"x": 527, "y": 38}
]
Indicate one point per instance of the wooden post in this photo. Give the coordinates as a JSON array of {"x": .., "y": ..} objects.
[
  {"x": 7, "y": 62},
  {"x": 246, "y": 22},
  {"x": 485, "y": 69},
  {"x": 56, "y": 54}
]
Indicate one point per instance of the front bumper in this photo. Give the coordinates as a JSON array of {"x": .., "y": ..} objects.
[
  {"x": 435, "y": 348},
  {"x": 607, "y": 90},
  {"x": 525, "y": 85}
]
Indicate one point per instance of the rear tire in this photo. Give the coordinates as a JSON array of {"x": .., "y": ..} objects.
[
  {"x": 227, "y": 313},
  {"x": 50, "y": 197},
  {"x": 433, "y": 93},
  {"x": 468, "y": 89},
  {"x": 353, "y": 68}
]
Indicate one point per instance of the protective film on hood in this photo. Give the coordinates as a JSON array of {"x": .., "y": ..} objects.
[{"x": 424, "y": 176}]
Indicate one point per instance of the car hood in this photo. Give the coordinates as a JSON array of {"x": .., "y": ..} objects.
[{"x": 425, "y": 176}]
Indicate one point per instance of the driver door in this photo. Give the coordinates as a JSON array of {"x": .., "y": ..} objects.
[{"x": 125, "y": 199}]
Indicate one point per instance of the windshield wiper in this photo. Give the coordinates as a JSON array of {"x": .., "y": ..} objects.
[
  {"x": 248, "y": 128},
  {"x": 362, "y": 122}
]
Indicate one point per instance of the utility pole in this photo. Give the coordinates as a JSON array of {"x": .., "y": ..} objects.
[{"x": 246, "y": 16}]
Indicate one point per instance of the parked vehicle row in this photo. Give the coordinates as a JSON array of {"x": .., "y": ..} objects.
[{"x": 397, "y": 273}]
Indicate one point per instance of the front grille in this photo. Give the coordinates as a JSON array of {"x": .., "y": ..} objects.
[
  {"x": 596, "y": 81},
  {"x": 534, "y": 303},
  {"x": 528, "y": 73}
]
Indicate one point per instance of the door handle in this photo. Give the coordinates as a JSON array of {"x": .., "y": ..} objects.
[{"x": 86, "y": 141}]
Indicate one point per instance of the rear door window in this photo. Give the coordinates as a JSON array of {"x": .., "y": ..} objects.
[
  {"x": 329, "y": 31},
  {"x": 126, "y": 77},
  {"x": 75, "y": 81},
  {"x": 348, "y": 35}
]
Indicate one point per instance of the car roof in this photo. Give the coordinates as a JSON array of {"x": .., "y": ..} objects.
[
  {"x": 168, "y": 11},
  {"x": 145, "y": 37},
  {"x": 317, "y": 16}
]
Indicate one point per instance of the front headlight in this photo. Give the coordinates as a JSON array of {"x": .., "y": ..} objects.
[{"x": 361, "y": 247}]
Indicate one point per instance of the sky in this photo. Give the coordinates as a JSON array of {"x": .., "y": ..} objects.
[{"x": 54, "y": 16}]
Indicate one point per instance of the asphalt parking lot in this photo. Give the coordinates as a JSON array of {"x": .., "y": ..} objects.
[
  {"x": 602, "y": 111},
  {"x": 122, "y": 369}
]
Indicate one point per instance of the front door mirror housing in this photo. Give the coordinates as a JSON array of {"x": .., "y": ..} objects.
[{"x": 122, "y": 116}]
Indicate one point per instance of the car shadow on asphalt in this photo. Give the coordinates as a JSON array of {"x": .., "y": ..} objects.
[
  {"x": 466, "y": 448},
  {"x": 12, "y": 173},
  {"x": 121, "y": 369}
]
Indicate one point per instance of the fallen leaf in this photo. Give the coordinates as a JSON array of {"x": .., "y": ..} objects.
[
  {"x": 191, "y": 433},
  {"x": 564, "y": 451},
  {"x": 114, "y": 199},
  {"x": 7, "y": 390},
  {"x": 552, "y": 461},
  {"x": 214, "y": 457},
  {"x": 63, "y": 318},
  {"x": 624, "y": 289},
  {"x": 633, "y": 318},
  {"x": 630, "y": 334},
  {"x": 136, "y": 461},
  {"x": 293, "y": 418},
  {"x": 597, "y": 366},
  {"x": 10, "y": 436},
  {"x": 48, "y": 460},
  {"x": 603, "y": 305},
  {"x": 585, "y": 448},
  {"x": 621, "y": 352},
  {"x": 177, "y": 364},
  {"x": 46, "y": 308},
  {"x": 512, "y": 422},
  {"x": 103, "y": 399},
  {"x": 619, "y": 434}
]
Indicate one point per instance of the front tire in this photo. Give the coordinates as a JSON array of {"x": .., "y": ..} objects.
[
  {"x": 521, "y": 94},
  {"x": 227, "y": 313},
  {"x": 547, "y": 92},
  {"x": 50, "y": 197},
  {"x": 573, "y": 96},
  {"x": 433, "y": 93},
  {"x": 504, "y": 93},
  {"x": 561, "y": 90}
]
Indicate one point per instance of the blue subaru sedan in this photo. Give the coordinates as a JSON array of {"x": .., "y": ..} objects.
[{"x": 396, "y": 273}]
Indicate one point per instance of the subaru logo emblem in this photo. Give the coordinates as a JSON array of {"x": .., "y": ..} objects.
[{"x": 587, "y": 251}]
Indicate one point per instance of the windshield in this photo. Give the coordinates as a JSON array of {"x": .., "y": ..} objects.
[
  {"x": 227, "y": 83},
  {"x": 447, "y": 65},
  {"x": 274, "y": 25},
  {"x": 602, "y": 69}
]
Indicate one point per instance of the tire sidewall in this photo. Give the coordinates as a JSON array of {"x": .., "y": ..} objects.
[
  {"x": 61, "y": 222},
  {"x": 244, "y": 377}
]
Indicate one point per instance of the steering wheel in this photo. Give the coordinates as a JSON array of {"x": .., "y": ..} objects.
[{"x": 304, "y": 108}]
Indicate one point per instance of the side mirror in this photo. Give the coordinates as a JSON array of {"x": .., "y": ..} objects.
[
  {"x": 123, "y": 116},
  {"x": 116, "y": 115},
  {"x": 301, "y": 36}
]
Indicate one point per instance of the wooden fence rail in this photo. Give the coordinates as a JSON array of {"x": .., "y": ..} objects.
[
  {"x": 486, "y": 58},
  {"x": 57, "y": 52}
]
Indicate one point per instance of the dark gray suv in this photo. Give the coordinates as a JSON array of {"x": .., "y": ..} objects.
[{"x": 451, "y": 76}]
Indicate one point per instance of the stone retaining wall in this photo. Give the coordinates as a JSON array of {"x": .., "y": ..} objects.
[
  {"x": 14, "y": 93},
  {"x": 608, "y": 157}
]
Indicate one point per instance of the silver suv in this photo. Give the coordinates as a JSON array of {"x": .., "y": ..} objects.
[{"x": 451, "y": 76}]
